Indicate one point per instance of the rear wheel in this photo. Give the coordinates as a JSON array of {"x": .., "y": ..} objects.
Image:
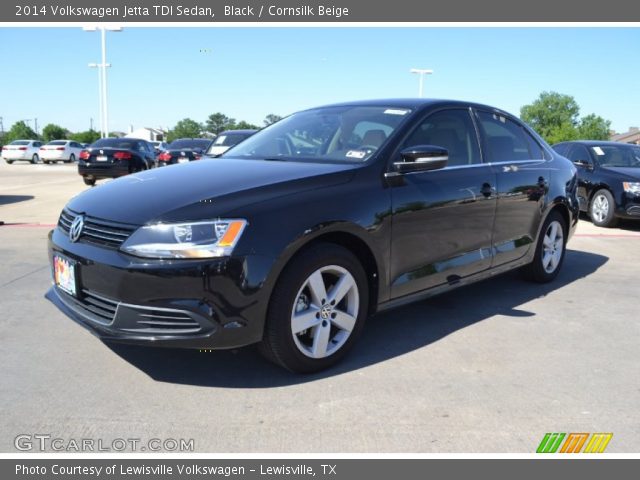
[
  {"x": 46, "y": 162},
  {"x": 89, "y": 181},
  {"x": 602, "y": 209},
  {"x": 550, "y": 250},
  {"x": 9, "y": 161},
  {"x": 317, "y": 310}
]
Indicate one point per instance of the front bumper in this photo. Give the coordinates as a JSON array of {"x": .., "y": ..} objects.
[
  {"x": 629, "y": 207},
  {"x": 217, "y": 303}
]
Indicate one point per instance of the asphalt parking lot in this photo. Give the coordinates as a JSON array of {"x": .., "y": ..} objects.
[{"x": 487, "y": 368}]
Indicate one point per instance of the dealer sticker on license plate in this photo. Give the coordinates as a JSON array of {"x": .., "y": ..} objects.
[{"x": 64, "y": 274}]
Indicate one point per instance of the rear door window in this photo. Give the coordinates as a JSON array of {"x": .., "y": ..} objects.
[{"x": 506, "y": 140}]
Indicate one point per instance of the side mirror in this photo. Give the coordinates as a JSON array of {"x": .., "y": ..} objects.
[
  {"x": 583, "y": 164},
  {"x": 421, "y": 158}
]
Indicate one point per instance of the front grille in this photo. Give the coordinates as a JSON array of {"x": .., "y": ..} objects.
[
  {"x": 97, "y": 231},
  {"x": 167, "y": 321},
  {"x": 98, "y": 305},
  {"x": 98, "y": 308}
]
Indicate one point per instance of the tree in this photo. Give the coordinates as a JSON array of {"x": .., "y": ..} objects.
[
  {"x": 185, "y": 128},
  {"x": 594, "y": 127},
  {"x": 218, "y": 122},
  {"x": 271, "y": 118},
  {"x": 552, "y": 115},
  {"x": 20, "y": 131},
  {"x": 242, "y": 125},
  {"x": 556, "y": 117},
  {"x": 88, "y": 136},
  {"x": 53, "y": 132}
]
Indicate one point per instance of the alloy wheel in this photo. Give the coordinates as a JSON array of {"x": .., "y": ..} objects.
[
  {"x": 553, "y": 247},
  {"x": 600, "y": 208},
  {"x": 324, "y": 312}
]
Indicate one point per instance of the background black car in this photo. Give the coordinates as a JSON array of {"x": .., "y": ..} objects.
[
  {"x": 297, "y": 234},
  {"x": 115, "y": 157},
  {"x": 227, "y": 139},
  {"x": 183, "y": 150},
  {"x": 608, "y": 179}
]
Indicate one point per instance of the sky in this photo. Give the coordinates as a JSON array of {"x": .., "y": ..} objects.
[{"x": 160, "y": 75}]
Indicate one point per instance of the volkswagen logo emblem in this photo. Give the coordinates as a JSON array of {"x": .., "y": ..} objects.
[{"x": 75, "y": 230}]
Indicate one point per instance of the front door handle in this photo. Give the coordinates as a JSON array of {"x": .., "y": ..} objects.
[{"x": 486, "y": 190}]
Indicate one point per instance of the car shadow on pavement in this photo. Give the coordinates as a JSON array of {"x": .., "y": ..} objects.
[
  {"x": 8, "y": 199},
  {"x": 414, "y": 326}
]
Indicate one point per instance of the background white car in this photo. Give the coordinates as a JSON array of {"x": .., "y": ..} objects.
[
  {"x": 60, "y": 151},
  {"x": 27, "y": 150}
]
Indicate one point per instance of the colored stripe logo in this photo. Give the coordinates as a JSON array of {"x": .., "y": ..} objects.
[{"x": 573, "y": 442}]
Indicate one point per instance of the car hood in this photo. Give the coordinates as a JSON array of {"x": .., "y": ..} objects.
[
  {"x": 632, "y": 173},
  {"x": 203, "y": 189}
]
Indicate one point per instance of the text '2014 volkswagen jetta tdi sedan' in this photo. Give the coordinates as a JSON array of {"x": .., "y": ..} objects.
[{"x": 293, "y": 237}]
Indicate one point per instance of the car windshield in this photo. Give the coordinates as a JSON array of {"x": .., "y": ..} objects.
[
  {"x": 20, "y": 142},
  {"x": 190, "y": 143},
  {"x": 123, "y": 143},
  {"x": 617, "y": 155},
  {"x": 344, "y": 134}
]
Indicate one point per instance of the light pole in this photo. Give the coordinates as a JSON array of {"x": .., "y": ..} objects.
[
  {"x": 102, "y": 75},
  {"x": 422, "y": 72},
  {"x": 98, "y": 66}
]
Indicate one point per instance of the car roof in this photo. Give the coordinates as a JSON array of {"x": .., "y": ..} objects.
[
  {"x": 595, "y": 142},
  {"x": 413, "y": 103}
]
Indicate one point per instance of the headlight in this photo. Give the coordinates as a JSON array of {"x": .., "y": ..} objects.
[
  {"x": 631, "y": 187},
  {"x": 215, "y": 238}
]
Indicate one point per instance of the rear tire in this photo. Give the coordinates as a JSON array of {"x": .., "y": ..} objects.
[
  {"x": 602, "y": 209},
  {"x": 317, "y": 310},
  {"x": 9, "y": 161},
  {"x": 46, "y": 162},
  {"x": 550, "y": 250},
  {"x": 89, "y": 181}
]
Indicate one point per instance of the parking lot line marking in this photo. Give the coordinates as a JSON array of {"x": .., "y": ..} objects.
[
  {"x": 611, "y": 235},
  {"x": 29, "y": 225}
]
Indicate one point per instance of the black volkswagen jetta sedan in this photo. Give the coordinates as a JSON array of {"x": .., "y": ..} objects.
[
  {"x": 298, "y": 234},
  {"x": 183, "y": 150},
  {"x": 115, "y": 157},
  {"x": 608, "y": 179}
]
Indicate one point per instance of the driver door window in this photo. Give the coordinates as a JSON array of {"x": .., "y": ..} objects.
[{"x": 450, "y": 129}]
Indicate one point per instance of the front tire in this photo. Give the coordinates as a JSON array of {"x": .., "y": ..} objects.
[
  {"x": 550, "y": 250},
  {"x": 602, "y": 209},
  {"x": 72, "y": 158},
  {"x": 317, "y": 310},
  {"x": 35, "y": 158}
]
